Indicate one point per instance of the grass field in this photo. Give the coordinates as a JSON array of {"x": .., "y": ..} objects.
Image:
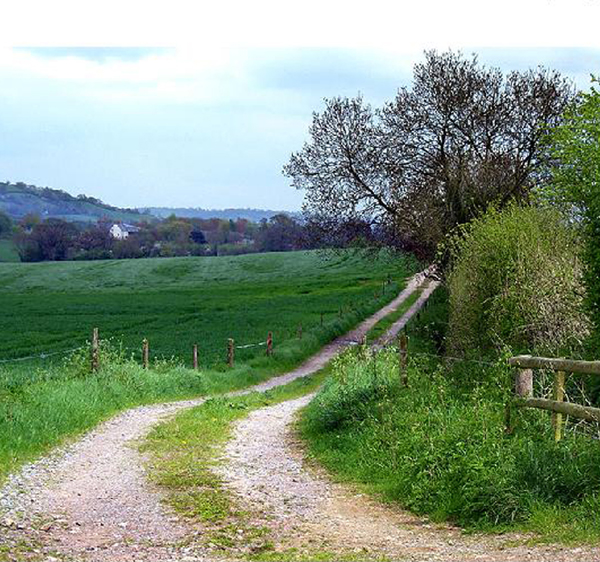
[
  {"x": 8, "y": 251},
  {"x": 51, "y": 307},
  {"x": 176, "y": 302}
]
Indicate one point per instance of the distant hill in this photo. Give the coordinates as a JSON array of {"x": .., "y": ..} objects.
[
  {"x": 19, "y": 199},
  {"x": 254, "y": 215}
]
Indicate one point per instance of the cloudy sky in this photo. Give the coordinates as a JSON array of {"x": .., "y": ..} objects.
[{"x": 209, "y": 117}]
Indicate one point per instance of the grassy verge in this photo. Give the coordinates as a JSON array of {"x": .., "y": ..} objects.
[
  {"x": 386, "y": 322},
  {"x": 184, "y": 450},
  {"x": 440, "y": 449}
]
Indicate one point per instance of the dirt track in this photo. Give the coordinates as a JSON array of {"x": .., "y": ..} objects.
[{"x": 90, "y": 500}]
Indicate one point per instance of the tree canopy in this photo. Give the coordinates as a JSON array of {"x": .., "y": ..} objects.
[{"x": 462, "y": 137}]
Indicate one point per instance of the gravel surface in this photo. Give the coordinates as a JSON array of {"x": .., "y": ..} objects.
[
  {"x": 264, "y": 467},
  {"x": 91, "y": 499}
]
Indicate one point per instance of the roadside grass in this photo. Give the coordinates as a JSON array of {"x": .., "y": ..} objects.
[
  {"x": 386, "y": 322},
  {"x": 439, "y": 447}
]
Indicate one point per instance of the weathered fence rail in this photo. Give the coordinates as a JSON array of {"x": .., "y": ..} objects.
[{"x": 558, "y": 407}]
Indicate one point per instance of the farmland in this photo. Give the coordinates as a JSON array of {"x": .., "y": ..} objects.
[
  {"x": 176, "y": 302},
  {"x": 49, "y": 308}
]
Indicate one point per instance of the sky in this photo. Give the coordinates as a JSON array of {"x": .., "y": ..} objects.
[{"x": 207, "y": 111}]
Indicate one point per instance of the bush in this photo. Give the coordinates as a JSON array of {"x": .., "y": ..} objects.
[
  {"x": 440, "y": 448},
  {"x": 516, "y": 281}
]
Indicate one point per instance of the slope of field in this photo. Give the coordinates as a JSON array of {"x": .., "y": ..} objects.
[{"x": 176, "y": 302}]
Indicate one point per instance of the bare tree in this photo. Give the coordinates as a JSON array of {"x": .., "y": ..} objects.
[{"x": 462, "y": 137}]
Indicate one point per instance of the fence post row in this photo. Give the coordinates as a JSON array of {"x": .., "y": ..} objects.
[
  {"x": 145, "y": 353},
  {"x": 95, "y": 350},
  {"x": 403, "y": 353},
  {"x": 195, "y": 357}
]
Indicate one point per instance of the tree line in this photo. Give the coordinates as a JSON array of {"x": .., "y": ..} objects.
[{"x": 56, "y": 239}]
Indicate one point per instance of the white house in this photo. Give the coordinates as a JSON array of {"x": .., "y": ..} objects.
[{"x": 121, "y": 231}]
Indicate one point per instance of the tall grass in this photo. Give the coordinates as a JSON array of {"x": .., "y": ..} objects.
[{"x": 440, "y": 447}]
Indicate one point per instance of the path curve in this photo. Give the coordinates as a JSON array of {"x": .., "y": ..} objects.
[
  {"x": 264, "y": 467},
  {"x": 91, "y": 498}
]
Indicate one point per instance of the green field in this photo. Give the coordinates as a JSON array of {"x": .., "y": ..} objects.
[
  {"x": 51, "y": 307},
  {"x": 8, "y": 251},
  {"x": 176, "y": 302}
]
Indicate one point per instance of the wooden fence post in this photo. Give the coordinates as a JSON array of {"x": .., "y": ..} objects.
[
  {"x": 145, "y": 353},
  {"x": 195, "y": 357},
  {"x": 95, "y": 350},
  {"x": 300, "y": 331},
  {"x": 270, "y": 343},
  {"x": 559, "y": 396},
  {"x": 230, "y": 353},
  {"x": 321, "y": 318},
  {"x": 524, "y": 383},
  {"x": 403, "y": 352}
]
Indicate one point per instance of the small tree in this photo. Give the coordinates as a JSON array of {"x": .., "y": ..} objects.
[{"x": 5, "y": 224}]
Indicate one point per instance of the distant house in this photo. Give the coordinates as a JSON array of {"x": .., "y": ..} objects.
[{"x": 121, "y": 231}]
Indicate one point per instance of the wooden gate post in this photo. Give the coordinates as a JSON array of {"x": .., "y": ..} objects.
[
  {"x": 95, "y": 350},
  {"x": 270, "y": 344},
  {"x": 524, "y": 383},
  {"x": 195, "y": 357},
  {"x": 403, "y": 352},
  {"x": 145, "y": 353},
  {"x": 559, "y": 396},
  {"x": 230, "y": 353}
]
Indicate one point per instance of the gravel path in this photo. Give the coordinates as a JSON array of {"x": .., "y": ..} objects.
[
  {"x": 91, "y": 499},
  {"x": 264, "y": 467}
]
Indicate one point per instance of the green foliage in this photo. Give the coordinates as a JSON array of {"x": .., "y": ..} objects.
[
  {"x": 516, "y": 281},
  {"x": 5, "y": 224},
  {"x": 574, "y": 148},
  {"x": 8, "y": 251},
  {"x": 440, "y": 448}
]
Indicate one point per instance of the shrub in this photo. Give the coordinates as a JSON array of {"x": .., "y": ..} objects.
[
  {"x": 516, "y": 281},
  {"x": 440, "y": 448}
]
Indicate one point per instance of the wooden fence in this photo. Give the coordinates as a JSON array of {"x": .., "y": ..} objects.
[{"x": 559, "y": 408}]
